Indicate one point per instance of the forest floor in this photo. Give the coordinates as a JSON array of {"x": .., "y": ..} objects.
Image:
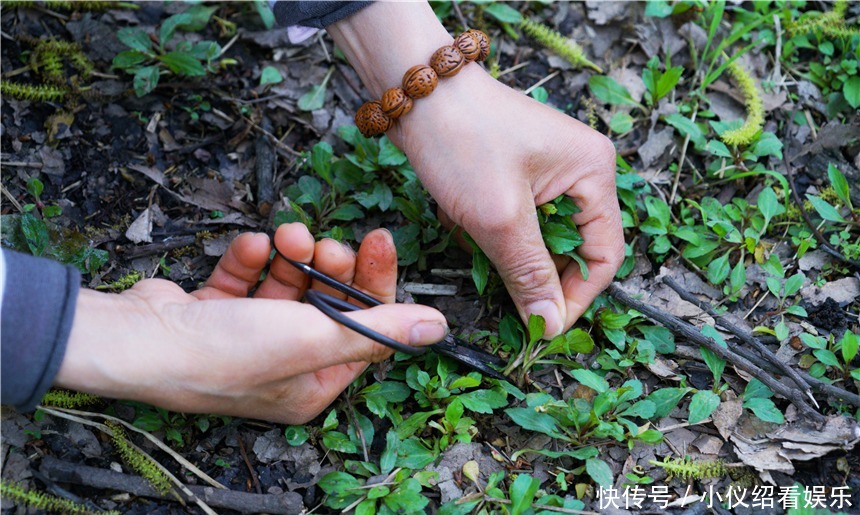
[{"x": 719, "y": 374}]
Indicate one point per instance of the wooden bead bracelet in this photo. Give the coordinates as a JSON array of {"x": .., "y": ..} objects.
[{"x": 375, "y": 117}]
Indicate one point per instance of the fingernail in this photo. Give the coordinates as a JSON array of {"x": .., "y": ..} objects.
[
  {"x": 425, "y": 333},
  {"x": 549, "y": 311}
]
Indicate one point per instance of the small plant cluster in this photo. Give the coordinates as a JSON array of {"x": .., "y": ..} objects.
[
  {"x": 67, "y": 399},
  {"x": 374, "y": 177},
  {"x": 831, "y": 24},
  {"x": 139, "y": 462},
  {"x": 42, "y": 501},
  {"x": 71, "y": 5},
  {"x": 147, "y": 62}
]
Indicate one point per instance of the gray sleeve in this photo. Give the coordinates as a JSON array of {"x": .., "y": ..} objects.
[
  {"x": 314, "y": 14},
  {"x": 37, "y": 313}
]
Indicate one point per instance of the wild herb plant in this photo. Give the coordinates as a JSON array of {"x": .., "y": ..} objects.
[{"x": 147, "y": 61}]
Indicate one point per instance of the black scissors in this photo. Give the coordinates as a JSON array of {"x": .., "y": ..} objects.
[{"x": 453, "y": 347}]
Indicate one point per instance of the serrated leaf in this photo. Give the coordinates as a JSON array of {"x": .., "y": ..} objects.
[
  {"x": 609, "y": 91},
  {"x": 599, "y": 471},
  {"x": 703, "y": 403}
]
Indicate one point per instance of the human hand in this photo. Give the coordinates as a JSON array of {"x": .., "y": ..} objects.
[
  {"x": 216, "y": 351},
  {"x": 489, "y": 155}
]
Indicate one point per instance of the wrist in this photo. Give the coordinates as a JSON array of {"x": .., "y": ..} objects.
[{"x": 385, "y": 39}]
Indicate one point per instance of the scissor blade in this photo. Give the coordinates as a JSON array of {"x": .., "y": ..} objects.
[{"x": 470, "y": 355}]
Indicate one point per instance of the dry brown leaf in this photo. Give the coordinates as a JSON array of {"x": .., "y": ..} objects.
[{"x": 726, "y": 416}]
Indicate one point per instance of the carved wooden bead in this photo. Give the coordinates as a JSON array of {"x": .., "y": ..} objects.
[
  {"x": 483, "y": 40},
  {"x": 419, "y": 81},
  {"x": 395, "y": 103},
  {"x": 447, "y": 61},
  {"x": 469, "y": 45},
  {"x": 370, "y": 119}
]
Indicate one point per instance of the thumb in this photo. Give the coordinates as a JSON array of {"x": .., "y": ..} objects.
[
  {"x": 410, "y": 324},
  {"x": 515, "y": 245}
]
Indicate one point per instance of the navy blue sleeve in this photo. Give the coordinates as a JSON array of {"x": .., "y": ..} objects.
[
  {"x": 37, "y": 312},
  {"x": 317, "y": 14}
]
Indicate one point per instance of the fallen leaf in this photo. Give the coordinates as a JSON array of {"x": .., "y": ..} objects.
[
  {"x": 140, "y": 230},
  {"x": 842, "y": 291},
  {"x": 726, "y": 416}
]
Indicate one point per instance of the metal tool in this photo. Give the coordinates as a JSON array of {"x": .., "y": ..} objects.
[{"x": 455, "y": 348}]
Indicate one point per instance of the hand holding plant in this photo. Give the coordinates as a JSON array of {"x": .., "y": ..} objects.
[{"x": 217, "y": 351}]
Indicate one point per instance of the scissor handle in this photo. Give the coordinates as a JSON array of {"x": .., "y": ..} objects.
[{"x": 333, "y": 307}]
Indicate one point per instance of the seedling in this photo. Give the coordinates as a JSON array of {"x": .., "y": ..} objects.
[{"x": 147, "y": 61}]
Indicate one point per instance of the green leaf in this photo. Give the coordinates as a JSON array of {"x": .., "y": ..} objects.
[
  {"x": 414, "y": 423},
  {"x": 265, "y": 13},
  {"x": 658, "y": 8},
  {"x": 849, "y": 343},
  {"x": 824, "y": 209},
  {"x": 314, "y": 99},
  {"x": 599, "y": 471},
  {"x": 296, "y": 435},
  {"x": 827, "y": 357},
  {"x": 718, "y": 148},
  {"x": 129, "y": 59},
  {"x": 379, "y": 395},
  {"x": 337, "y": 441},
  {"x": 36, "y": 233},
  {"x": 851, "y": 91},
  {"x": 560, "y": 238},
  {"x": 756, "y": 389},
  {"x": 650, "y": 436},
  {"x": 35, "y": 187},
  {"x": 703, "y": 403},
  {"x": 608, "y": 91},
  {"x": 389, "y": 154},
  {"x": 798, "y": 311},
  {"x": 347, "y": 212},
  {"x": 718, "y": 269},
  {"x": 591, "y": 380},
  {"x": 642, "y": 409},
  {"x": 687, "y": 127},
  {"x": 198, "y": 16},
  {"x": 483, "y": 401},
  {"x": 145, "y": 80},
  {"x": 839, "y": 183},
  {"x": 503, "y": 12},
  {"x": 767, "y": 145},
  {"x": 341, "y": 488},
  {"x": 182, "y": 63},
  {"x": 480, "y": 268},
  {"x": 537, "y": 328},
  {"x": 532, "y": 420},
  {"x": 136, "y": 39},
  {"x": 540, "y": 94},
  {"x": 168, "y": 28},
  {"x": 769, "y": 205},
  {"x": 406, "y": 498},
  {"x": 389, "y": 455},
  {"x": 523, "y": 491},
  {"x": 658, "y": 209},
  {"x": 270, "y": 75},
  {"x": 662, "y": 338},
  {"x": 414, "y": 454},
  {"x": 454, "y": 412},
  {"x": 621, "y": 123},
  {"x": 765, "y": 409},
  {"x": 715, "y": 364},
  {"x": 794, "y": 283}
]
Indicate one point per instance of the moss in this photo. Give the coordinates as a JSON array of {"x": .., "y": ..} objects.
[{"x": 33, "y": 93}]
